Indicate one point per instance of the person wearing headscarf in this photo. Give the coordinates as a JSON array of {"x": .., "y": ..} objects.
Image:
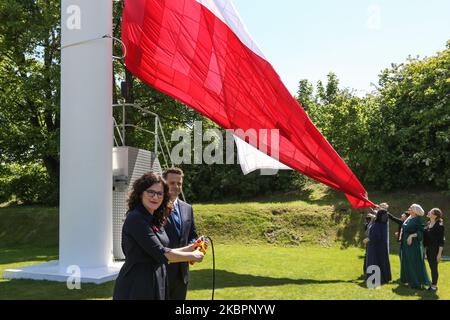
[
  {"x": 412, "y": 263},
  {"x": 378, "y": 246},
  {"x": 434, "y": 243},
  {"x": 370, "y": 219}
]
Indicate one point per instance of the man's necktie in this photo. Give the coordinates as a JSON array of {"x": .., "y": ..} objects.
[{"x": 177, "y": 219}]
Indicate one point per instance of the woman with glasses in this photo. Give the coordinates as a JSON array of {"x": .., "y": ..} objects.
[{"x": 144, "y": 243}]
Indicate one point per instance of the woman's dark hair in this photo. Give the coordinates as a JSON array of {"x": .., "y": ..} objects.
[
  {"x": 438, "y": 213},
  {"x": 382, "y": 216},
  {"x": 139, "y": 187}
]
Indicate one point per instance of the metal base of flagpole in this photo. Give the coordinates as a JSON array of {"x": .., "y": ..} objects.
[{"x": 52, "y": 271}]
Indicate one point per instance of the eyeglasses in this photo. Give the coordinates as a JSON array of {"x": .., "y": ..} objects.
[{"x": 152, "y": 193}]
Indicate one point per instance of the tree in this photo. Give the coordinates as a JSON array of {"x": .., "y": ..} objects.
[
  {"x": 305, "y": 94},
  {"x": 415, "y": 120},
  {"x": 332, "y": 88},
  {"x": 29, "y": 82},
  {"x": 399, "y": 136}
]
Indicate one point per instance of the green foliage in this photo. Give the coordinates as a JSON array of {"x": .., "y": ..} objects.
[
  {"x": 397, "y": 137},
  {"x": 29, "y": 83},
  {"x": 305, "y": 94},
  {"x": 27, "y": 184},
  {"x": 218, "y": 182},
  {"x": 342, "y": 119},
  {"x": 5, "y": 192},
  {"x": 414, "y": 123},
  {"x": 29, "y": 62}
]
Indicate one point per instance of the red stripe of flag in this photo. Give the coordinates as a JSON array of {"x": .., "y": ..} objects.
[{"x": 183, "y": 49}]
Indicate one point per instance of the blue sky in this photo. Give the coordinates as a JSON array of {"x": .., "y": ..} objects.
[{"x": 356, "y": 39}]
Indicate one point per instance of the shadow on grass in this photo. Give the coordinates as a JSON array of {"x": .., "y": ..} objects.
[
  {"x": 403, "y": 290},
  {"x": 15, "y": 289},
  {"x": 46, "y": 290},
  {"x": 202, "y": 280},
  {"x": 43, "y": 290},
  {"x": 25, "y": 254}
]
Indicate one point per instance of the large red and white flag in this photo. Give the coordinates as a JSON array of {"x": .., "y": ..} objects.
[{"x": 200, "y": 53}]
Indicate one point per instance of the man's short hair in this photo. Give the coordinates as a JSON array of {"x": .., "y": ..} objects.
[{"x": 173, "y": 171}]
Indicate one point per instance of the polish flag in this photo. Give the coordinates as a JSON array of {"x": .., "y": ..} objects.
[{"x": 200, "y": 53}]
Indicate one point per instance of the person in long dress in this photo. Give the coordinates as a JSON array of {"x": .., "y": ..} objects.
[
  {"x": 412, "y": 262},
  {"x": 378, "y": 247}
]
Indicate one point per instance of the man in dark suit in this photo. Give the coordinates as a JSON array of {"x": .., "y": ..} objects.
[{"x": 180, "y": 229}]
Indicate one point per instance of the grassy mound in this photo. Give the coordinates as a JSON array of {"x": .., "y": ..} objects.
[
  {"x": 315, "y": 216},
  {"x": 287, "y": 246}
]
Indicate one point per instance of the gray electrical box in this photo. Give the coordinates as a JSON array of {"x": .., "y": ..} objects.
[{"x": 129, "y": 164}]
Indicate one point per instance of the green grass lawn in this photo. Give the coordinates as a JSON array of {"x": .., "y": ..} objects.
[
  {"x": 300, "y": 273},
  {"x": 304, "y": 245},
  {"x": 244, "y": 272}
]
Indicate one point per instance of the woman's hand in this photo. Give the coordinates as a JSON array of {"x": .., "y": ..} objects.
[
  {"x": 410, "y": 240},
  {"x": 371, "y": 216},
  {"x": 366, "y": 241},
  {"x": 439, "y": 258},
  {"x": 197, "y": 256}
]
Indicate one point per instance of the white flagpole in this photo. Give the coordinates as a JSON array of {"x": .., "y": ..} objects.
[
  {"x": 85, "y": 238},
  {"x": 85, "y": 212}
]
